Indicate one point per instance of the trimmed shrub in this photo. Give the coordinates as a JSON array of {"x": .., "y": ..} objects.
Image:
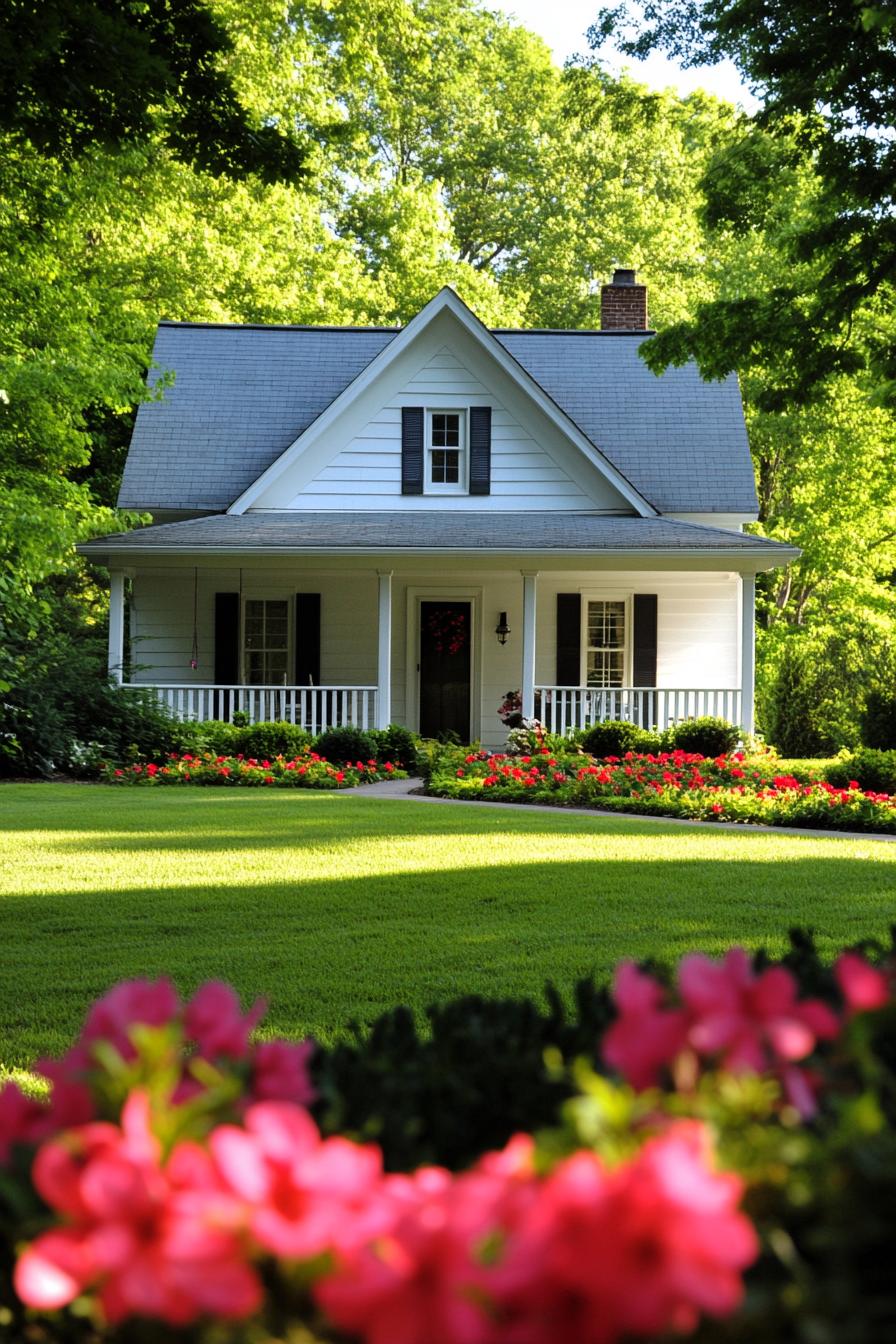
[
  {"x": 874, "y": 770},
  {"x": 616, "y": 737},
  {"x": 706, "y": 736},
  {"x": 879, "y": 721},
  {"x": 346, "y": 744},
  {"x": 274, "y": 739},
  {"x": 398, "y": 745},
  {"x": 224, "y": 739},
  {"x": 447, "y": 1093}
]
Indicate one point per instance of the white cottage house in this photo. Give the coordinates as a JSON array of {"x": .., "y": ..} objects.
[{"x": 374, "y": 525}]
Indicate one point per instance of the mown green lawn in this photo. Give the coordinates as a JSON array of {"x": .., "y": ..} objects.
[{"x": 339, "y": 905}]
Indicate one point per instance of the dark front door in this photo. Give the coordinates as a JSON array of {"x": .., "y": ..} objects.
[{"x": 445, "y": 669}]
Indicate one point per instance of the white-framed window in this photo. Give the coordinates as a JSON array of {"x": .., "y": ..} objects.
[
  {"x": 606, "y": 636},
  {"x": 266, "y": 641},
  {"x": 446, "y": 453}
]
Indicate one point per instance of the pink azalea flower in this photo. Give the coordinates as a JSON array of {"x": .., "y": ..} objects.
[
  {"x": 129, "y": 1004},
  {"x": 639, "y": 1250},
  {"x": 149, "y": 1240},
  {"x": 751, "y": 1021},
  {"x": 305, "y": 1195},
  {"x": 754, "y": 1023},
  {"x": 280, "y": 1072},
  {"x": 863, "y": 987},
  {"x": 26, "y": 1121},
  {"x": 214, "y": 1020},
  {"x": 646, "y": 1036},
  {"x": 429, "y": 1278}
]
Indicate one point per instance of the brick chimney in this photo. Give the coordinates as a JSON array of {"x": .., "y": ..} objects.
[{"x": 623, "y": 304}]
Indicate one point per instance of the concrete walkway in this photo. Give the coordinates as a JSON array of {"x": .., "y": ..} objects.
[{"x": 410, "y": 790}]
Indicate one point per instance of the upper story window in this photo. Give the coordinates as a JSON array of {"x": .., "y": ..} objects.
[{"x": 446, "y": 458}]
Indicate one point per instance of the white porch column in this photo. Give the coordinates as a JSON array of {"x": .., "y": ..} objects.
[
  {"x": 116, "y": 624},
  {"x": 747, "y": 651},
  {"x": 384, "y": 653},
  {"x": 528, "y": 681}
]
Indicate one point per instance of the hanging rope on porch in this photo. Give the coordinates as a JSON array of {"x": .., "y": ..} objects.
[{"x": 194, "y": 652}]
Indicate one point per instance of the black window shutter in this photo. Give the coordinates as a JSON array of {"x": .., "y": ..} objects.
[
  {"x": 644, "y": 639},
  {"x": 227, "y": 639},
  {"x": 412, "y": 450},
  {"x": 569, "y": 639},
  {"x": 480, "y": 450},
  {"x": 307, "y": 639}
]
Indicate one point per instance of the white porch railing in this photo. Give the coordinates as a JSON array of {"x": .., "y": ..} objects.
[
  {"x": 561, "y": 708},
  {"x": 313, "y": 707}
]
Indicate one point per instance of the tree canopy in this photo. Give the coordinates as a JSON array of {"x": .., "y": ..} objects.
[
  {"x": 336, "y": 161},
  {"x": 826, "y": 77}
]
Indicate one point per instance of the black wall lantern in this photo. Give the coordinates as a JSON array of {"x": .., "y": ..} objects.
[{"x": 502, "y": 629}]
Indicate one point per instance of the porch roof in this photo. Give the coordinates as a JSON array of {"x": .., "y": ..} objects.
[{"x": 422, "y": 532}]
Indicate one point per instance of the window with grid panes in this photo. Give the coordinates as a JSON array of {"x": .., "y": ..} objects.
[
  {"x": 446, "y": 451},
  {"x": 266, "y": 642},
  {"x": 605, "y": 650}
]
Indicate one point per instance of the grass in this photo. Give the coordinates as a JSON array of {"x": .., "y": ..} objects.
[{"x": 339, "y": 906}]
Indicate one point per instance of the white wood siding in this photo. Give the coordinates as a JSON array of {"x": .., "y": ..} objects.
[
  {"x": 698, "y": 624},
  {"x": 162, "y": 621},
  {"x": 366, "y": 474}
]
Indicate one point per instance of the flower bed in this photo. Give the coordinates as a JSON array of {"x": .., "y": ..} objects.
[
  {"x": 672, "y": 784},
  {"x": 307, "y": 771},
  {"x": 732, "y": 1130}
]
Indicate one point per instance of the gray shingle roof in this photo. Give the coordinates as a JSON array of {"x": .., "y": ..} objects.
[
  {"x": 411, "y": 530},
  {"x": 242, "y": 395}
]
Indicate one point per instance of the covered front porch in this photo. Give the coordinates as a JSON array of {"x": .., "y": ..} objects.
[{"x": 436, "y": 648}]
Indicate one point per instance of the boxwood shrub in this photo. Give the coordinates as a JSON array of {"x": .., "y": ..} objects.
[
  {"x": 706, "y": 736},
  {"x": 346, "y": 744},
  {"x": 398, "y": 745},
  {"x": 616, "y": 737}
]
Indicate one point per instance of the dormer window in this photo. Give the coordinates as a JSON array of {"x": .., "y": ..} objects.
[{"x": 446, "y": 465}]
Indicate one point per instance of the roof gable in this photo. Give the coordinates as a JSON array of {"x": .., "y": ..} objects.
[
  {"x": 444, "y": 320},
  {"x": 239, "y": 396}
]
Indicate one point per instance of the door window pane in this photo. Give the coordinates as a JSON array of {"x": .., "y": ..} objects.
[
  {"x": 266, "y": 642},
  {"x": 605, "y": 650}
]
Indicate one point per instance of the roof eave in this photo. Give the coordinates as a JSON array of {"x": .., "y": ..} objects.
[{"x": 753, "y": 558}]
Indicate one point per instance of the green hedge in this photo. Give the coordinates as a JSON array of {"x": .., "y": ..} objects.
[{"x": 875, "y": 770}]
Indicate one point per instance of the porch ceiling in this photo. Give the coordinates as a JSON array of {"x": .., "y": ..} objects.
[{"x": 421, "y": 533}]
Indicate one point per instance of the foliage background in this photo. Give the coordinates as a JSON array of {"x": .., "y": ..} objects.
[{"x": 337, "y": 162}]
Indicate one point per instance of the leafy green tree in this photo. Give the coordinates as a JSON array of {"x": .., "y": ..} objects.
[
  {"x": 827, "y": 79},
  {"x": 80, "y": 74}
]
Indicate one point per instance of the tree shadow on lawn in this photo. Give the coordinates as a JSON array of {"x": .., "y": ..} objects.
[
  {"x": 210, "y": 828},
  {"x": 329, "y": 950}
]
